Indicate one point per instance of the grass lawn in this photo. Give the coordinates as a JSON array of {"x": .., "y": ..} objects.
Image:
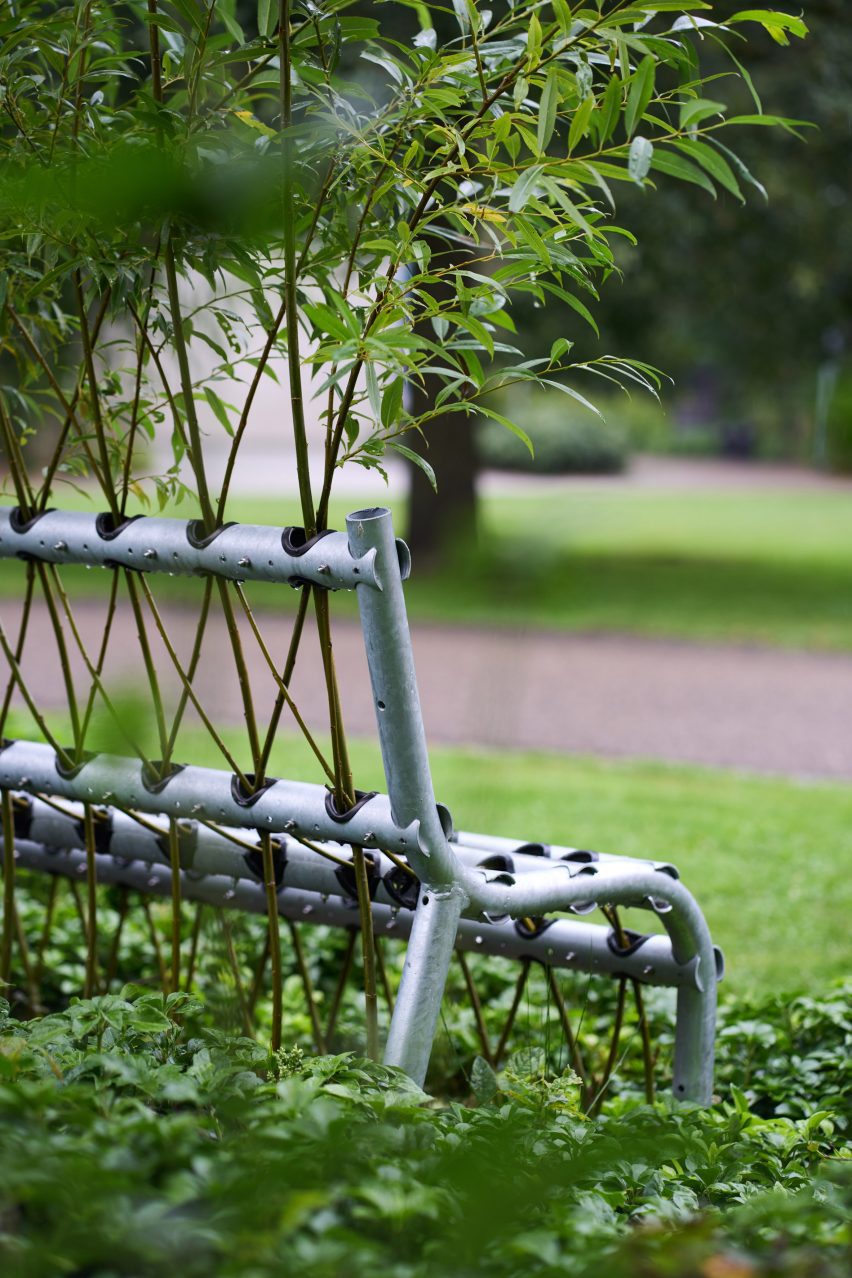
[{"x": 747, "y": 566}]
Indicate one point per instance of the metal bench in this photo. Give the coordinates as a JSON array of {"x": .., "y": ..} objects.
[{"x": 437, "y": 887}]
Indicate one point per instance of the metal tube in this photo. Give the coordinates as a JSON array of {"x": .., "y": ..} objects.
[
  {"x": 566, "y": 944},
  {"x": 151, "y": 543},
  {"x": 496, "y": 844},
  {"x": 421, "y": 991},
  {"x": 396, "y": 699}
]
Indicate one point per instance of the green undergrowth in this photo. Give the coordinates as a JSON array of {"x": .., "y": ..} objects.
[
  {"x": 135, "y": 1141},
  {"x": 748, "y": 565}
]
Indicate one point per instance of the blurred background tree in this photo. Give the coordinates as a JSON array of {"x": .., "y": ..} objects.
[{"x": 746, "y": 307}]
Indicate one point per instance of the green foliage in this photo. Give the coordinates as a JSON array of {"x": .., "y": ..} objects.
[
  {"x": 135, "y": 1143},
  {"x": 402, "y": 193},
  {"x": 565, "y": 442},
  {"x": 839, "y": 426}
]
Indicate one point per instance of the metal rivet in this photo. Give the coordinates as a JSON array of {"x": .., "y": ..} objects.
[
  {"x": 289, "y": 825},
  {"x": 150, "y": 553},
  {"x": 245, "y": 562},
  {"x": 60, "y": 545}
]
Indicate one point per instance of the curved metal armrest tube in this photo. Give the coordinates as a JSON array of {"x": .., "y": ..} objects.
[{"x": 241, "y": 552}]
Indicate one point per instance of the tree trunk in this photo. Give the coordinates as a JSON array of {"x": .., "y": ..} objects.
[{"x": 437, "y": 519}]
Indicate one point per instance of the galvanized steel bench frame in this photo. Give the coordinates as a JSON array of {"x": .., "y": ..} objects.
[{"x": 461, "y": 900}]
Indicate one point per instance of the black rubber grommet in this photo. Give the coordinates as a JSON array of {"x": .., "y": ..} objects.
[
  {"x": 68, "y": 773},
  {"x": 295, "y": 543},
  {"x": 361, "y": 797},
  {"x": 246, "y": 798},
  {"x": 539, "y": 927},
  {"x": 498, "y": 861},
  {"x": 22, "y": 816},
  {"x": 581, "y": 856},
  {"x": 102, "y": 826},
  {"x": 199, "y": 539},
  {"x": 20, "y": 525},
  {"x": 345, "y": 875},
  {"x": 533, "y": 849},
  {"x": 635, "y": 940},
  {"x": 402, "y": 888},
  {"x": 254, "y": 861},
  {"x": 153, "y": 782},
  {"x": 106, "y": 527}
]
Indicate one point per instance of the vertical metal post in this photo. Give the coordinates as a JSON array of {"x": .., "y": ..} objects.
[
  {"x": 695, "y": 1037},
  {"x": 409, "y": 779},
  {"x": 427, "y": 960}
]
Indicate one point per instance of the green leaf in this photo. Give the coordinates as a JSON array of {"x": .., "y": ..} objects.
[
  {"x": 580, "y": 123},
  {"x": 417, "y": 460},
  {"x": 392, "y": 402},
  {"x": 610, "y": 108},
  {"x": 483, "y": 1080},
  {"x": 547, "y": 109},
  {"x": 641, "y": 92},
  {"x": 666, "y": 161},
  {"x": 696, "y": 110},
  {"x": 777, "y": 24},
  {"x": 523, "y": 188},
  {"x": 510, "y": 425},
  {"x": 219, "y": 409},
  {"x": 639, "y": 158},
  {"x": 713, "y": 163},
  {"x": 266, "y": 17}
]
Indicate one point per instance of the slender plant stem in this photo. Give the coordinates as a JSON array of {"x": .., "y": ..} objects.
[
  {"x": 368, "y": 950},
  {"x": 294, "y": 363},
  {"x": 520, "y": 986},
  {"x": 343, "y": 977},
  {"x": 307, "y": 986},
  {"x": 473, "y": 996},
  {"x": 245, "y": 1018},
  {"x": 193, "y": 945},
  {"x": 273, "y": 939},
  {"x": 8, "y": 887},
  {"x": 91, "y": 985}
]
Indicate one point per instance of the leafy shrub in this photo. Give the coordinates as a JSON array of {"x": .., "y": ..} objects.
[
  {"x": 132, "y": 1144},
  {"x": 564, "y": 444},
  {"x": 839, "y": 427}
]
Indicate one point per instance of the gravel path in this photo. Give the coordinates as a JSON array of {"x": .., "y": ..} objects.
[{"x": 745, "y": 708}]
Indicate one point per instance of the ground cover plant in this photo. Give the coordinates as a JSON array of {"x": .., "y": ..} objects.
[{"x": 135, "y": 1140}]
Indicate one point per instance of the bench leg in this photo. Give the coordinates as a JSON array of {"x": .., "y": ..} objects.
[
  {"x": 427, "y": 960},
  {"x": 695, "y": 1033}
]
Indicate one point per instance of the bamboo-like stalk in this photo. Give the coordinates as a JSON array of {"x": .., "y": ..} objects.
[
  {"x": 245, "y": 1018},
  {"x": 368, "y": 950},
  {"x": 307, "y": 986},
  {"x": 177, "y": 920},
  {"x": 91, "y": 903},
  {"x": 476, "y": 1004},
  {"x": 294, "y": 364},
  {"x": 273, "y": 938},
  {"x": 520, "y": 986},
  {"x": 8, "y": 886}
]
